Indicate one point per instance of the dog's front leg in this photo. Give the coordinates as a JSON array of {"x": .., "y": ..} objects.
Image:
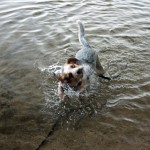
[
  {"x": 61, "y": 94},
  {"x": 82, "y": 91}
]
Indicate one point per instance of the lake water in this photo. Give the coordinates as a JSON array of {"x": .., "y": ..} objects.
[{"x": 36, "y": 37}]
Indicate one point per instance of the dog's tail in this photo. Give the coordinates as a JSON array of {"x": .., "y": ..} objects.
[{"x": 82, "y": 39}]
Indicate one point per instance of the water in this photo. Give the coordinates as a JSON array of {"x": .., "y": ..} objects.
[{"x": 36, "y": 35}]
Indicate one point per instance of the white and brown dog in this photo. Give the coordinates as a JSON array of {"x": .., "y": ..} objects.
[{"x": 76, "y": 72}]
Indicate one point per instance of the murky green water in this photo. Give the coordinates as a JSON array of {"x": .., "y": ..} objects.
[{"x": 36, "y": 35}]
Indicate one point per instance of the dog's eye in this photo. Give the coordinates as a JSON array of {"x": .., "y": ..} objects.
[
  {"x": 72, "y": 66},
  {"x": 80, "y": 71}
]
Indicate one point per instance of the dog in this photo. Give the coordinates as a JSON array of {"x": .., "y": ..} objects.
[{"x": 76, "y": 72}]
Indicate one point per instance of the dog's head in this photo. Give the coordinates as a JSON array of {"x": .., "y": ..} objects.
[{"x": 71, "y": 72}]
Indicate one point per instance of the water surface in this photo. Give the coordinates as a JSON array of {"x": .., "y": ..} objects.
[{"x": 36, "y": 37}]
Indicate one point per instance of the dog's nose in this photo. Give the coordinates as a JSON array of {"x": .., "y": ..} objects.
[{"x": 80, "y": 71}]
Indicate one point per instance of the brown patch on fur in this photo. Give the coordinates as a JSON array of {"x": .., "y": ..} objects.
[
  {"x": 72, "y": 60},
  {"x": 70, "y": 79},
  {"x": 60, "y": 78}
]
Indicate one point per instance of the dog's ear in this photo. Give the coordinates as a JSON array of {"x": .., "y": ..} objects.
[
  {"x": 58, "y": 75},
  {"x": 72, "y": 60}
]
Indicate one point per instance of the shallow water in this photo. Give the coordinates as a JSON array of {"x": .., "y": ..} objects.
[{"x": 37, "y": 36}]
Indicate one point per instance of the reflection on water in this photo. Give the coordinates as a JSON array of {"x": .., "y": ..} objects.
[{"x": 36, "y": 38}]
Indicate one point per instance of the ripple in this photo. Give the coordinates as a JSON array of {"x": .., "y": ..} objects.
[
  {"x": 38, "y": 36},
  {"x": 124, "y": 98}
]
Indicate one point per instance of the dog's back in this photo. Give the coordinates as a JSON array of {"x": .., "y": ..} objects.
[{"x": 88, "y": 56}]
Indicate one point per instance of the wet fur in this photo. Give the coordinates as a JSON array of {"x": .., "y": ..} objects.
[{"x": 76, "y": 71}]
